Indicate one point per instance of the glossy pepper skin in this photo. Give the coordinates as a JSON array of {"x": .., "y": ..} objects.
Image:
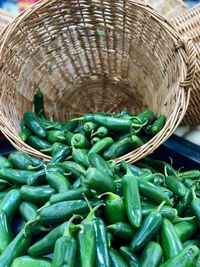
[
  {"x": 116, "y": 259},
  {"x": 80, "y": 141},
  {"x": 187, "y": 257},
  {"x": 149, "y": 228},
  {"x": 17, "y": 177},
  {"x": 99, "y": 182},
  {"x": 114, "y": 209},
  {"x": 183, "y": 203},
  {"x": 65, "y": 248},
  {"x": 170, "y": 240},
  {"x": 122, "y": 230},
  {"x": 72, "y": 167},
  {"x": 157, "y": 126},
  {"x": 192, "y": 174},
  {"x": 24, "y": 132},
  {"x": 176, "y": 186},
  {"x": 5, "y": 232},
  {"x": 17, "y": 247},
  {"x": 27, "y": 261},
  {"x": 101, "y": 164},
  {"x": 185, "y": 230},
  {"x": 100, "y": 146},
  {"x": 38, "y": 143},
  {"x": 195, "y": 206},
  {"x": 23, "y": 161},
  {"x": 55, "y": 136},
  {"x": 102, "y": 252},
  {"x": 130, "y": 258},
  {"x": 58, "y": 181},
  {"x": 61, "y": 155},
  {"x": 46, "y": 245},
  {"x": 5, "y": 163},
  {"x": 28, "y": 211},
  {"x": 38, "y": 101},
  {"x": 10, "y": 203},
  {"x": 151, "y": 255},
  {"x": 132, "y": 199},
  {"x": 101, "y": 132},
  {"x": 81, "y": 156},
  {"x": 32, "y": 122},
  {"x": 36, "y": 194}
]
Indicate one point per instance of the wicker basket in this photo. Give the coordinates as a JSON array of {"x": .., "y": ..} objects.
[
  {"x": 188, "y": 24},
  {"x": 94, "y": 55},
  {"x": 5, "y": 18}
]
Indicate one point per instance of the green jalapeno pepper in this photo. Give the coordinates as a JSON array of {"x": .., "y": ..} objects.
[
  {"x": 151, "y": 255},
  {"x": 192, "y": 174},
  {"x": 38, "y": 143},
  {"x": 114, "y": 209},
  {"x": 99, "y": 182},
  {"x": 38, "y": 101},
  {"x": 170, "y": 240},
  {"x": 32, "y": 122},
  {"x": 130, "y": 258},
  {"x": 116, "y": 259},
  {"x": 183, "y": 203},
  {"x": 149, "y": 228},
  {"x": 72, "y": 194},
  {"x": 101, "y": 145},
  {"x": 176, "y": 186},
  {"x": 54, "y": 149},
  {"x": 17, "y": 177},
  {"x": 58, "y": 181},
  {"x": 10, "y": 203},
  {"x": 185, "y": 230},
  {"x": 195, "y": 206},
  {"x": 80, "y": 156},
  {"x": 94, "y": 140},
  {"x": 3, "y": 185},
  {"x": 72, "y": 167},
  {"x": 145, "y": 117},
  {"x": 5, "y": 231},
  {"x": 101, "y": 164},
  {"x": 27, "y": 261},
  {"x": 37, "y": 195},
  {"x": 6, "y": 191},
  {"x": 101, "y": 132},
  {"x": 132, "y": 199},
  {"x": 123, "y": 146},
  {"x": 157, "y": 126},
  {"x": 23, "y": 161},
  {"x": 24, "y": 131},
  {"x": 47, "y": 124},
  {"x": 28, "y": 211},
  {"x": 79, "y": 128},
  {"x": 102, "y": 252},
  {"x": 194, "y": 242},
  {"x": 80, "y": 141},
  {"x": 166, "y": 211},
  {"x": 61, "y": 155},
  {"x": 55, "y": 136},
  {"x": 187, "y": 257},
  {"x": 90, "y": 127},
  {"x": 65, "y": 248},
  {"x": 122, "y": 230},
  {"x": 69, "y": 126},
  {"x": 5, "y": 163}
]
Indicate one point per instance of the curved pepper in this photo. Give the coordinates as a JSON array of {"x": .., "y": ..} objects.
[
  {"x": 81, "y": 156},
  {"x": 32, "y": 122},
  {"x": 116, "y": 259},
  {"x": 58, "y": 181},
  {"x": 5, "y": 163},
  {"x": 80, "y": 141},
  {"x": 100, "y": 146},
  {"x": 121, "y": 230},
  {"x": 5, "y": 232},
  {"x": 101, "y": 164},
  {"x": 27, "y": 261},
  {"x": 151, "y": 255},
  {"x": 17, "y": 177},
  {"x": 129, "y": 257}
]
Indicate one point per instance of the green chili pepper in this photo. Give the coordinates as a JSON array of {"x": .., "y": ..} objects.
[
  {"x": 5, "y": 232},
  {"x": 145, "y": 116},
  {"x": 157, "y": 126},
  {"x": 185, "y": 230},
  {"x": 39, "y": 103},
  {"x": 95, "y": 140},
  {"x": 123, "y": 146},
  {"x": 24, "y": 132},
  {"x": 61, "y": 211},
  {"x": 86, "y": 240},
  {"x": 5, "y": 163},
  {"x": 38, "y": 143},
  {"x": 192, "y": 174},
  {"x": 72, "y": 194},
  {"x": 194, "y": 242},
  {"x": 149, "y": 228},
  {"x": 6, "y": 191},
  {"x": 10, "y": 203},
  {"x": 47, "y": 124},
  {"x": 28, "y": 211},
  {"x": 46, "y": 245},
  {"x": 114, "y": 209},
  {"x": 101, "y": 132},
  {"x": 32, "y": 122},
  {"x": 183, "y": 203},
  {"x": 54, "y": 149},
  {"x": 166, "y": 211},
  {"x": 99, "y": 182},
  {"x": 27, "y": 261},
  {"x": 133, "y": 169},
  {"x": 176, "y": 186},
  {"x": 101, "y": 164},
  {"x": 72, "y": 167},
  {"x": 69, "y": 126},
  {"x": 81, "y": 156},
  {"x": 130, "y": 258},
  {"x": 195, "y": 206},
  {"x": 116, "y": 259},
  {"x": 167, "y": 192},
  {"x": 89, "y": 127},
  {"x": 121, "y": 230},
  {"x": 79, "y": 128},
  {"x": 151, "y": 255},
  {"x": 132, "y": 199},
  {"x": 3, "y": 185},
  {"x": 37, "y": 195},
  {"x": 65, "y": 248},
  {"x": 170, "y": 240},
  {"x": 58, "y": 181},
  {"x": 17, "y": 177},
  {"x": 80, "y": 141},
  {"x": 23, "y": 161},
  {"x": 17, "y": 247},
  {"x": 102, "y": 258},
  {"x": 187, "y": 257},
  {"x": 55, "y": 136},
  {"x": 61, "y": 155},
  {"x": 100, "y": 146}
]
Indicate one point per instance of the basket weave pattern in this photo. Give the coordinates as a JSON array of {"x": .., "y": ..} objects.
[
  {"x": 90, "y": 56},
  {"x": 188, "y": 24},
  {"x": 5, "y": 18}
]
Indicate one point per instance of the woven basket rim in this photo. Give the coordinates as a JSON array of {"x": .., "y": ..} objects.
[{"x": 184, "y": 48}]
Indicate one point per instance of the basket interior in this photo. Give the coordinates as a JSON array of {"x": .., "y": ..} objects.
[{"x": 89, "y": 56}]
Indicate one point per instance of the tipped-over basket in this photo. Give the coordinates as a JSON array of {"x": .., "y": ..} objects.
[{"x": 89, "y": 56}]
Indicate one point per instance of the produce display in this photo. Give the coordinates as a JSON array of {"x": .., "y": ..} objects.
[{"x": 81, "y": 209}]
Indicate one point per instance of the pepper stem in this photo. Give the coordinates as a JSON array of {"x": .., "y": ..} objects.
[
  {"x": 178, "y": 219},
  {"x": 91, "y": 215},
  {"x": 78, "y": 119},
  {"x": 30, "y": 167},
  {"x": 47, "y": 149},
  {"x": 28, "y": 224},
  {"x": 45, "y": 205},
  {"x": 160, "y": 206},
  {"x": 110, "y": 195},
  {"x": 125, "y": 167},
  {"x": 67, "y": 230},
  {"x": 194, "y": 193}
]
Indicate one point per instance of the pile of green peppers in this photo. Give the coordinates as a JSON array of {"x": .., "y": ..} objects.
[{"x": 88, "y": 211}]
